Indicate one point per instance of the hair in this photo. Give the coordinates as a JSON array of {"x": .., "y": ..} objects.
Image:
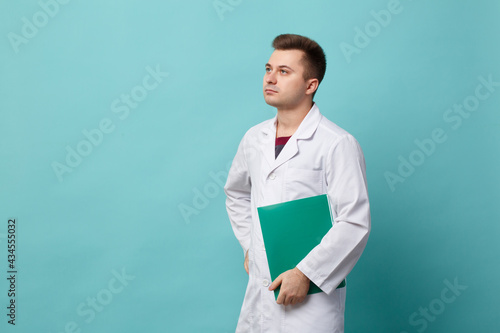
[{"x": 314, "y": 59}]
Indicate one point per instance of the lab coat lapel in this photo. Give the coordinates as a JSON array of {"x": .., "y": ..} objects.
[
  {"x": 288, "y": 151},
  {"x": 267, "y": 143}
]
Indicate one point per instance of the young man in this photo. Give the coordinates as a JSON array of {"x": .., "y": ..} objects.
[{"x": 295, "y": 155}]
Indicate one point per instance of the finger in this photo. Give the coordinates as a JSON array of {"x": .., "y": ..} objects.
[
  {"x": 245, "y": 262},
  {"x": 276, "y": 283},
  {"x": 297, "y": 300},
  {"x": 281, "y": 297}
]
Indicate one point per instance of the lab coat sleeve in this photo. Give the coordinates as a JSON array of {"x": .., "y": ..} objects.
[
  {"x": 238, "y": 201},
  {"x": 330, "y": 261}
]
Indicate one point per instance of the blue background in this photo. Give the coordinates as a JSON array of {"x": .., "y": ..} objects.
[{"x": 147, "y": 199}]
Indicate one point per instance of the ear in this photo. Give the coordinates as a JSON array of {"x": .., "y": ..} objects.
[{"x": 312, "y": 86}]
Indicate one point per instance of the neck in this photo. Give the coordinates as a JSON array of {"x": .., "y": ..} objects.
[{"x": 288, "y": 120}]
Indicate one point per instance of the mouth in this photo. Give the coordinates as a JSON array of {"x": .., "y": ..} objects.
[{"x": 270, "y": 91}]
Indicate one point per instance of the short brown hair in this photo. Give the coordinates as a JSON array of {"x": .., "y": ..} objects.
[{"x": 314, "y": 57}]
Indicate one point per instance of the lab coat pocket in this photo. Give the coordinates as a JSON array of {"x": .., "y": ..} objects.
[{"x": 303, "y": 183}]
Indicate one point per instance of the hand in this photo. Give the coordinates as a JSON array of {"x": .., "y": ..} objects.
[
  {"x": 294, "y": 287},
  {"x": 245, "y": 264}
]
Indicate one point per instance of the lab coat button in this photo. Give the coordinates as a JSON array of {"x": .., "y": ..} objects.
[
  {"x": 272, "y": 176},
  {"x": 265, "y": 283}
]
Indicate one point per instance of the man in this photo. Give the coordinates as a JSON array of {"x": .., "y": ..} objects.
[{"x": 295, "y": 155}]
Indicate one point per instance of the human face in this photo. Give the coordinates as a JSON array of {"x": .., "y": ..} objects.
[{"x": 284, "y": 86}]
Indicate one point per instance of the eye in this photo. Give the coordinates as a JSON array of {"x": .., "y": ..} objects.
[
  {"x": 268, "y": 69},
  {"x": 283, "y": 71}
]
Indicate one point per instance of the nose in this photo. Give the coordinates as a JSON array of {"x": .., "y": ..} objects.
[{"x": 270, "y": 77}]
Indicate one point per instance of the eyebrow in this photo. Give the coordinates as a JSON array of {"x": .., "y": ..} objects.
[{"x": 280, "y": 66}]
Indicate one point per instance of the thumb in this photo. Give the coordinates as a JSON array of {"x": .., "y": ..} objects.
[{"x": 276, "y": 282}]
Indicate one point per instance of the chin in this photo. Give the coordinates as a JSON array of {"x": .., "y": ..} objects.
[{"x": 272, "y": 102}]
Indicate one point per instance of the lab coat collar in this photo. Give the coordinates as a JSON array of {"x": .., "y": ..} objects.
[{"x": 305, "y": 130}]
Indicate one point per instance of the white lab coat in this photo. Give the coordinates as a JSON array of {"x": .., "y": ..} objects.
[{"x": 319, "y": 158}]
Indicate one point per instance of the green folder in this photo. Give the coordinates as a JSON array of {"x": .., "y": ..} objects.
[{"x": 291, "y": 230}]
